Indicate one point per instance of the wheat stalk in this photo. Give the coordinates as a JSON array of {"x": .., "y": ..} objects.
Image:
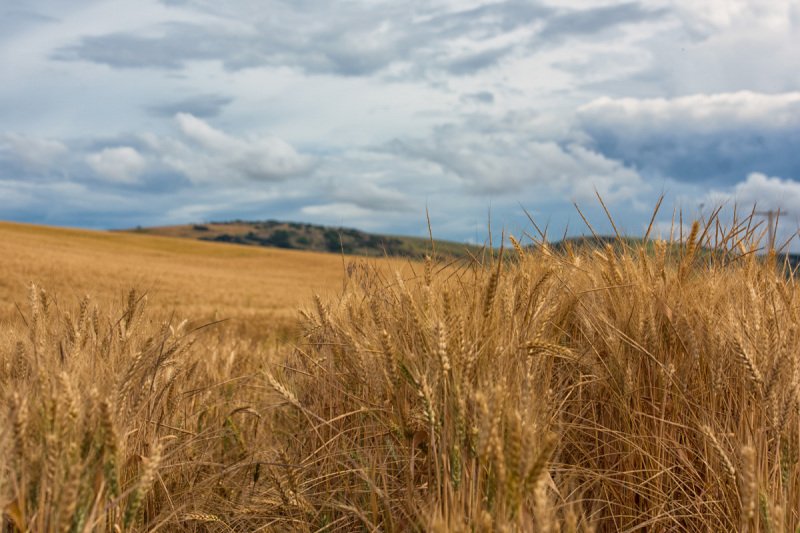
[
  {"x": 283, "y": 391},
  {"x": 143, "y": 486},
  {"x": 749, "y": 484},
  {"x": 730, "y": 470},
  {"x": 748, "y": 362}
]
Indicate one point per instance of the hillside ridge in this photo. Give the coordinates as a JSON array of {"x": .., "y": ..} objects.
[{"x": 312, "y": 237}]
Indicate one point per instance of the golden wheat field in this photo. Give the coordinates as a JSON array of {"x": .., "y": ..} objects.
[
  {"x": 628, "y": 387},
  {"x": 254, "y": 288}
]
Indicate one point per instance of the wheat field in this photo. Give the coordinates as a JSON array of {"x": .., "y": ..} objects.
[
  {"x": 624, "y": 387},
  {"x": 255, "y": 288}
]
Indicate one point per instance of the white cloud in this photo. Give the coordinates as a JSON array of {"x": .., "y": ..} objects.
[
  {"x": 767, "y": 192},
  {"x": 205, "y": 206},
  {"x": 716, "y": 15},
  {"x": 508, "y": 163},
  {"x": 590, "y": 171},
  {"x": 342, "y": 210},
  {"x": 212, "y": 155},
  {"x": 122, "y": 164},
  {"x": 350, "y": 215},
  {"x": 202, "y": 133},
  {"x": 49, "y": 201},
  {"x": 369, "y": 195},
  {"x": 34, "y": 154},
  {"x": 699, "y": 113}
]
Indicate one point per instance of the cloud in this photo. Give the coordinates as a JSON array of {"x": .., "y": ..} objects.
[
  {"x": 122, "y": 164},
  {"x": 481, "y": 97},
  {"x": 263, "y": 158},
  {"x": 359, "y": 39},
  {"x": 369, "y": 195},
  {"x": 593, "y": 20},
  {"x": 509, "y": 162},
  {"x": 767, "y": 192},
  {"x": 75, "y": 204},
  {"x": 377, "y": 181},
  {"x": 106, "y": 205},
  {"x": 349, "y": 214},
  {"x": 201, "y": 106},
  {"x": 342, "y": 210},
  {"x": 202, "y": 133},
  {"x": 719, "y": 46},
  {"x": 703, "y": 19},
  {"x": 225, "y": 203},
  {"x": 205, "y": 154},
  {"x": 701, "y": 113},
  {"x": 123, "y": 50},
  {"x": 361, "y": 46},
  {"x": 716, "y": 137},
  {"x": 473, "y": 62},
  {"x": 32, "y": 154},
  {"x": 16, "y": 21},
  {"x": 201, "y": 166}
]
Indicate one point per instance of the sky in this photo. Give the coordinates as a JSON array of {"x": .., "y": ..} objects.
[{"x": 365, "y": 113}]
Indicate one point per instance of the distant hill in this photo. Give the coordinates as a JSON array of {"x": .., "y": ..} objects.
[
  {"x": 311, "y": 237},
  {"x": 300, "y": 236}
]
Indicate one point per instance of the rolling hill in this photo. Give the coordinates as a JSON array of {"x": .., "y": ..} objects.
[{"x": 300, "y": 236}]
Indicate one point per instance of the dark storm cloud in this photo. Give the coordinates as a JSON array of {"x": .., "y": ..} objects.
[
  {"x": 721, "y": 158},
  {"x": 701, "y": 138},
  {"x": 202, "y": 106},
  {"x": 359, "y": 40}
]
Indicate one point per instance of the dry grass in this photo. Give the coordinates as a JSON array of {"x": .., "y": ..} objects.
[{"x": 591, "y": 390}]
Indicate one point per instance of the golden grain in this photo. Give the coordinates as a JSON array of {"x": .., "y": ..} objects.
[{"x": 546, "y": 391}]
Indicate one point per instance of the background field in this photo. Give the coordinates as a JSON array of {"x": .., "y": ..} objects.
[{"x": 255, "y": 288}]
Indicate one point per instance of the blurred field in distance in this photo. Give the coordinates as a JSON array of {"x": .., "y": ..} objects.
[{"x": 256, "y": 287}]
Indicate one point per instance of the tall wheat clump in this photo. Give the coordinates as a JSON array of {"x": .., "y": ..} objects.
[
  {"x": 596, "y": 389},
  {"x": 116, "y": 422},
  {"x": 629, "y": 386}
]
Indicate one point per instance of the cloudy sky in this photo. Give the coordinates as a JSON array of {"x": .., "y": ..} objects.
[{"x": 361, "y": 113}]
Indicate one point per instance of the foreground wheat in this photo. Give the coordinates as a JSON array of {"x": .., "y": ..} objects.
[
  {"x": 596, "y": 389},
  {"x": 601, "y": 389},
  {"x": 114, "y": 421}
]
